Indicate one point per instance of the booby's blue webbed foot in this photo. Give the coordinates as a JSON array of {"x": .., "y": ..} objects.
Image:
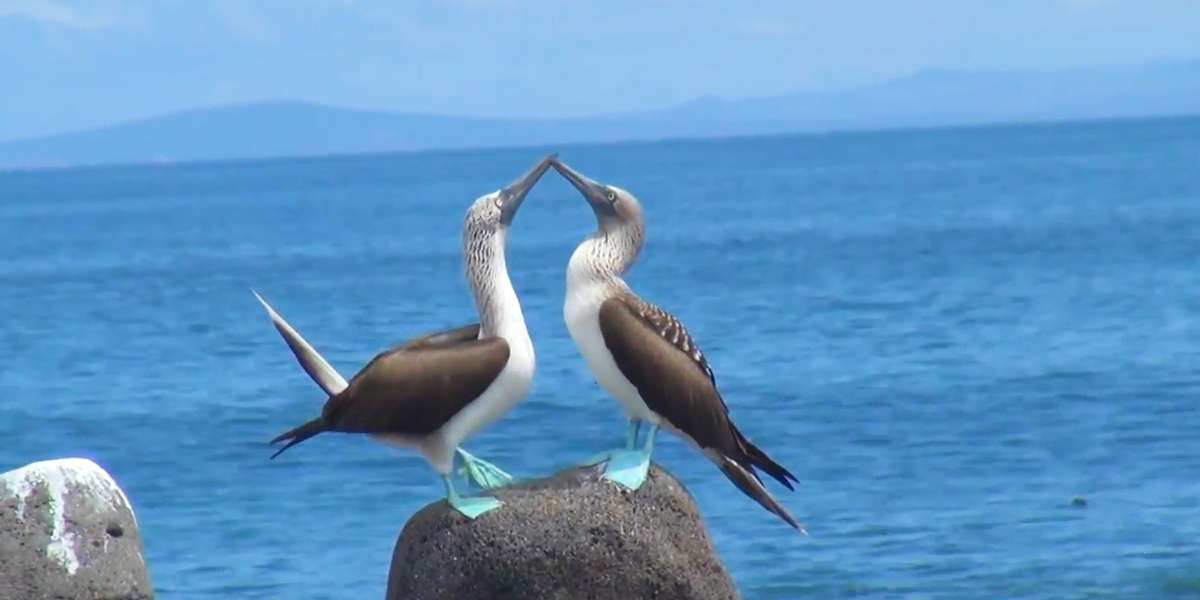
[
  {"x": 628, "y": 468},
  {"x": 471, "y": 507},
  {"x": 596, "y": 459},
  {"x": 481, "y": 473},
  {"x": 631, "y": 436}
]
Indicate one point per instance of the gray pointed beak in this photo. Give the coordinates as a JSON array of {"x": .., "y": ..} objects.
[
  {"x": 595, "y": 193},
  {"x": 512, "y": 196}
]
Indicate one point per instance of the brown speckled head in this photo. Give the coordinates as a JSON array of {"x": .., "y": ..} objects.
[
  {"x": 485, "y": 233},
  {"x": 621, "y": 223}
]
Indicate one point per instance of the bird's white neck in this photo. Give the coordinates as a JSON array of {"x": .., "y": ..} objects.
[
  {"x": 600, "y": 260},
  {"x": 495, "y": 299}
]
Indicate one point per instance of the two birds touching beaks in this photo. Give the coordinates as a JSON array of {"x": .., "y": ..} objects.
[{"x": 434, "y": 392}]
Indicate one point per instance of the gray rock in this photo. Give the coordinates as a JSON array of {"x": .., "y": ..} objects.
[
  {"x": 67, "y": 531},
  {"x": 571, "y": 536}
]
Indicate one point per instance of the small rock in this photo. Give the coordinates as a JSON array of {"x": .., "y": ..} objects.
[
  {"x": 67, "y": 531},
  {"x": 573, "y": 535},
  {"x": 1079, "y": 502}
]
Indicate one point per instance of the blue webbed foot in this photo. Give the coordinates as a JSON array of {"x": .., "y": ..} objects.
[
  {"x": 471, "y": 507},
  {"x": 481, "y": 473},
  {"x": 596, "y": 459},
  {"x": 628, "y": 468},
  {"x": 630, "y": 443}
]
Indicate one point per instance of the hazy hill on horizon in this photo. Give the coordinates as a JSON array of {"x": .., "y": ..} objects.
[{"x": 926, "y": 99}]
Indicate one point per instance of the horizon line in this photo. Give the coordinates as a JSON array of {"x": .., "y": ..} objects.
[{"x": 846, "y": 131}]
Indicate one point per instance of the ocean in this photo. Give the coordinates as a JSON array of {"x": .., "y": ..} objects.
[{"x": 948, "y": 335}]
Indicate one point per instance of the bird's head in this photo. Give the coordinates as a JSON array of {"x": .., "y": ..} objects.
[
  {"x": 615, "y": 208},
  {"x": 621, "y": 227},
  {"x": 492, "y": 212}
]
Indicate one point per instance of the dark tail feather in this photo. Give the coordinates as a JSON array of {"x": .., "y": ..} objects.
[
  {"x": 759, "y": 459},
  {"x": 746, "y": 481},
  {"x": 299, "y": 434}
]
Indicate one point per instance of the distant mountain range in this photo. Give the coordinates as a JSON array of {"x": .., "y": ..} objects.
[{"x": 926, "y": 99}]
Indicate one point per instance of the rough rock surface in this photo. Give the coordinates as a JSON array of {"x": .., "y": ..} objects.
[
  {"x": 67, "y": 531},
  {"x": 571, "y": 536}
]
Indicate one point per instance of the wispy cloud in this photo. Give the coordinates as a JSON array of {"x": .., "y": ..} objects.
[{"x": 49, "y": 12}]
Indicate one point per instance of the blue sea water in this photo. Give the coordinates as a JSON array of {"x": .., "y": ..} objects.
[{"x": 947, "y": 335}]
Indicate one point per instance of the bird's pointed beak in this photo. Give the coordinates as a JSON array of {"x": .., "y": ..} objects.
[
  {"x": 512, "y": 196},
  {"x": 595, "y": 193}
]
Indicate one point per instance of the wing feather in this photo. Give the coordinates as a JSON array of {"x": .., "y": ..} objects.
[
  {"x": 416, "y": 389},
  {"x": 656, "y": 353}
]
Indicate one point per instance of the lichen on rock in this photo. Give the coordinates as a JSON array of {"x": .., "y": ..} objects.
[{"x": 67, "y": 530}]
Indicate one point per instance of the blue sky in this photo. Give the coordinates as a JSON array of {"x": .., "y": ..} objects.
[{"x": 70, "y": 65}]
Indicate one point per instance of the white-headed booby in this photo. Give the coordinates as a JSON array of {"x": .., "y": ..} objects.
[
  {"x": 644, "y": 357},
  {"x": 433, "y": 392}
]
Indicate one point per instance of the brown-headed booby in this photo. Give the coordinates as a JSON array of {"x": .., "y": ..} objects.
[
  {"x": 645, "y": 358},
  {"x": 434, "y": 392}
]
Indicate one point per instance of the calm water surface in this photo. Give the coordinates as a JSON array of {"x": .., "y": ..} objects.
[{"x": 947, "y": 335}]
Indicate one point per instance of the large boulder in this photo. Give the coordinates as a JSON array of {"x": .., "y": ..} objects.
[
  {"x": 67, "y": 531},
  {"x": 573, "y": 535}
]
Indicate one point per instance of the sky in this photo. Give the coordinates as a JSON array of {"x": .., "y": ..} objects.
[{"x": 71, "y": 65}]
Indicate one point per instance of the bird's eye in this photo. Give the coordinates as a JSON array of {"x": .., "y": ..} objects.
[
  {"x": 498, "y": 201},
  {"x": 612, "y": 196}
]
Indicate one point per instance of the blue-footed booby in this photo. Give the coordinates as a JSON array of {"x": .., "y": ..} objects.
[
  {"x": 433, "y": 392},
  {"x": 646, "y": 359}
]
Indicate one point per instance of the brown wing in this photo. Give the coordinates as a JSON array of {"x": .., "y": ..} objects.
[
  {"x": 465, "y": 333},
  {"x": 417, "y": 388},
  {"x": 671, "y": 330},
  {"x": 662, "y": 361},
  {"x": 656, "y": 353}
]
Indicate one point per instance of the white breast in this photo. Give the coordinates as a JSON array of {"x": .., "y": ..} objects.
[
  {"x": 505, "y": 392},
  {"x": 581, "y": 311}
]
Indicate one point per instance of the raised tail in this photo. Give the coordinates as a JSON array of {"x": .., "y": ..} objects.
[
  {"x": 310, "y": 360},
  {"x": 317, "y": 368},
  {"x": 759, "y": 459},
  {"x": 299, "y": 434},
  {"x": 749, "y": 483}
]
